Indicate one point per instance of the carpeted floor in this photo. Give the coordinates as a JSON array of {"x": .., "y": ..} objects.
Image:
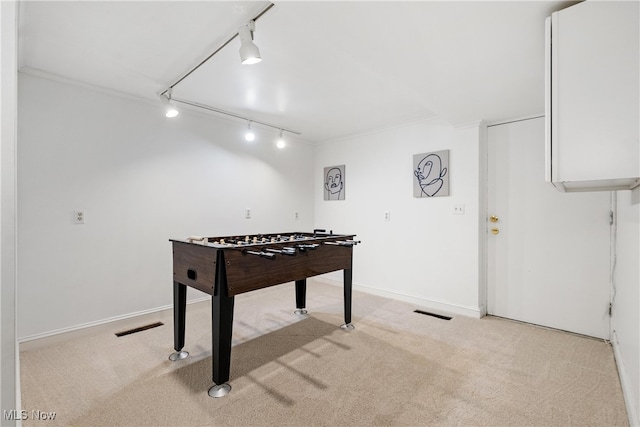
[{"x": 396, "y": 368}]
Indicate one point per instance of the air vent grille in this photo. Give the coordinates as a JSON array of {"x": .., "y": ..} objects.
[
  {"x": 439, "y": 316},
  {"x": 139, "y": 329}
]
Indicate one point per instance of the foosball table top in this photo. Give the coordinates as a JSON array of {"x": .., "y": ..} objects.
[{"x": 252, "y": 240}]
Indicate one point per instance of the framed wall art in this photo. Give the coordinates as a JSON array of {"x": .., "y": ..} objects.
[
  {"x": 334, "y": 182},
  {"x": 431, "y": 174}
]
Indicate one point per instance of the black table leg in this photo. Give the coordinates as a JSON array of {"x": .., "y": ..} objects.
[
  {"x": 301, "y": 296},
  {"x": 179, "y": 312},
  {"x": 222, "y": 330},
  {"x": 347, "y": 299}
]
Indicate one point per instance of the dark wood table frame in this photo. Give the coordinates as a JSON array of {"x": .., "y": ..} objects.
[{"x": 224, "y": 271}]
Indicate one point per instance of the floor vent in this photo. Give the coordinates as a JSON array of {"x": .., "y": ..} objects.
[
  {"x": 141, "y": 328},
  {"x": 439, "y": 316}
]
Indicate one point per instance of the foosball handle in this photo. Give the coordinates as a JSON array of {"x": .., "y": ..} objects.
[
  {"x": 266, "y": 255},
  {"x": 200, "y": 239},
  {"x": 283, "y": 251}
]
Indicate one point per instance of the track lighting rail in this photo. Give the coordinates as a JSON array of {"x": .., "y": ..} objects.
[
  {"x": 167, "y": 98},
  {"x": 233, "y": 36},
  {"x": 227, "y": 113}
]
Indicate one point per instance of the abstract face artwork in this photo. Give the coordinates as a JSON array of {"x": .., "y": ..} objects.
[
  {"x": 334, "y": 182},
  {"x": 430, "y": 172}
]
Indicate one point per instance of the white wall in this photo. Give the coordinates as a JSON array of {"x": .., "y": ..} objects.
[
  {"x": 141, "y": 179},
  {"x": 424, "y": 254},
  {"x": 9, "y": 364},
  {"x": 626, "y": 320}
]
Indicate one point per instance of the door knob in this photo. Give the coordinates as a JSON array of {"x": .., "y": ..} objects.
[
  {"x": 493, "y": 218},
  {"x": 495, "y": 230}
]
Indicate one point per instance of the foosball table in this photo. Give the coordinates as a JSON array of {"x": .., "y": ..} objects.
[{"x": 224, "y": 267}]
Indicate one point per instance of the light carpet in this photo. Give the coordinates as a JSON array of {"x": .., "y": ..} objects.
[{"x": 396, "y": 368}]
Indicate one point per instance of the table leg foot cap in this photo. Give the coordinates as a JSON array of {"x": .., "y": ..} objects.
[
  {"x": 219, "y": 390},
  {"x": 179, "y": 355},
  {"x": 301, "y": 311},
  {"x": 348, "y": 326}
]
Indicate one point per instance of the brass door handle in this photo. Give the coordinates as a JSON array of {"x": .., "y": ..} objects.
[
  {"x": 495, "y": 230},
  {"x": 493, "y": 218}
]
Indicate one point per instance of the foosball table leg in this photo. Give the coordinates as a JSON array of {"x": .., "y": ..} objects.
[
  {"x": 347, "y": 300},
  {"x": 179, "y": 312},
  {"x": 222, "y": 330},
  {"x": 301, "y": 297}
]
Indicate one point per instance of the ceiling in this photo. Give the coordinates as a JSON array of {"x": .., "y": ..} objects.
[{"x": 330, "y": 68}]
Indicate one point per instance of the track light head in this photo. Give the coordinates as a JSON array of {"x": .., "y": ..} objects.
[
  {"x": 170, "y": 110},
  {"x": 249, "y": 52},
  {"x": 280, "y": 142},
  {"x": 249, "y": 136}
]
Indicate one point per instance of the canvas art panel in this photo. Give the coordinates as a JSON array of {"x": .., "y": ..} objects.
[
  {"x": 334, "y": 182},
  {"x": 431, "y": 174}
]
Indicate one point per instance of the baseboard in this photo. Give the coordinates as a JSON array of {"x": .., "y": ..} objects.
[
  {"x": 164, "y": 313},
  {"x": 429, "y": 304},
  {"x": 627, "y": 392}
]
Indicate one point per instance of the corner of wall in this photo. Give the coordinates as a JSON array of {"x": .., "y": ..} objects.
[{"x": 9, "y": 371}]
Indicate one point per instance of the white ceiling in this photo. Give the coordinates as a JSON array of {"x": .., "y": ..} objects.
[{"x": 329, "y": 69}]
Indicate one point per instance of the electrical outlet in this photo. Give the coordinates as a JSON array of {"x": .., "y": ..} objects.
[
  {"x": 247, "y": 213},
  {"x": 296, "y": 216},
  {"x": 79, "y": 217},
  {"x": 458, "y": 209},
  {"x": 387, "y": 216}
]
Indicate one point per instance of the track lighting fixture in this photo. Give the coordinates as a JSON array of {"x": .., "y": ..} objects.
[
  {"x": 280, "y": 142},
  {"x": 167, "y": 99},
  {"x": 170, "y": 110},
  {"x": 249, "y": 52},
  {"x": 249, "y": 136}
]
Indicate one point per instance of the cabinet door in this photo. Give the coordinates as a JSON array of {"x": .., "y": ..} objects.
[{"x": 595, "y": 56}]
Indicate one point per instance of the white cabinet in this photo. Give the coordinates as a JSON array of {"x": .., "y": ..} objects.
[{"x": 593, "y": 96}]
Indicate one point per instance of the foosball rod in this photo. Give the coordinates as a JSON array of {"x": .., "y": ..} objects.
[
  {"x": 283, "y": 251},
  {"x": 343, "y": 243},
  {"x": 267, "y": 255}
]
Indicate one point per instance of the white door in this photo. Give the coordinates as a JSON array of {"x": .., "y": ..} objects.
[{"x": 548, "y": 264}]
